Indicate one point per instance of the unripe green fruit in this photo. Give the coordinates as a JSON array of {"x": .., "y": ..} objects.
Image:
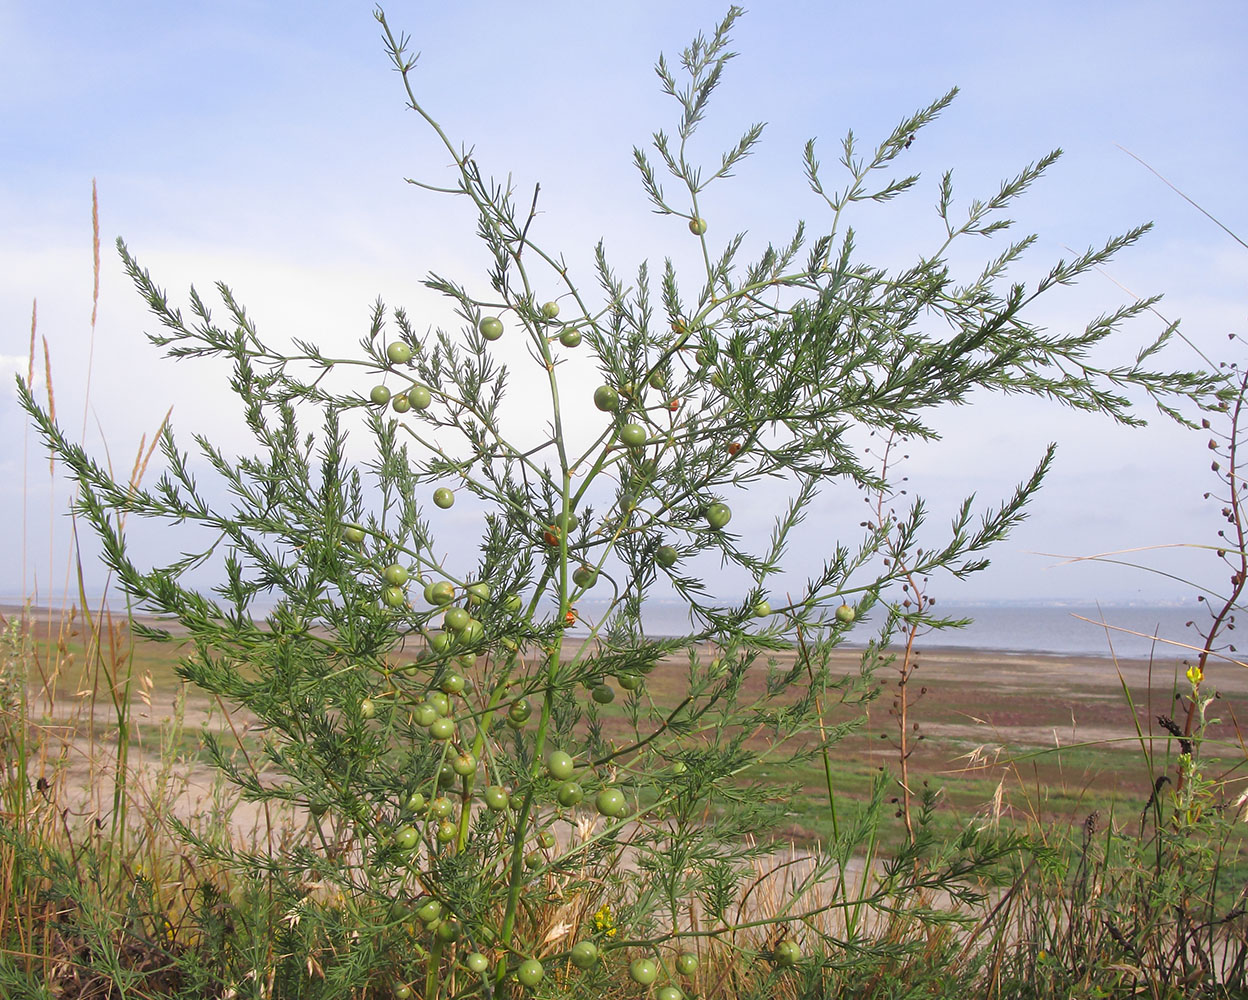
[
  {"x": 380, "y": 395},
  {"x": 400, "y": 403},
  {"x": 697, "y": 226},
  {"x": 399, "y": 353},
  {"x": 452, "y": 683},
  {"x": 446, "y": 832},
  {"x": 845, "y": 614},
  {"x": 762, "y": 609},
  {"x": 603, "y": 694},
  {"x": 643, "y": 971},
  {"x": 477, "y": 962},
  {"x": 519, "y": 711},
  {"x": 666, "y": 556},
  {"x": 496, "y": 798},
  {"x": 440, "y": 593},
  {"x": 395, "y": 574},
  {"x": 442, "y": 497},
  {"x": 788, "y": 952},
  {"x": 584, "y": 954},
  {"x": 686, "y": 963},
  {"x": 442, "y": 729},
  {"x": 530, "y": 972},
  {"x": 353, "y": 534},
  {"x": 491, "y": 328},
  {"x": 669, "y": 993},
  {"x": 456, "y": 619},
  {"x": 570, "y": 338},
  {"x": 629, "y": 681},
  {"x": 368, "y": 708},
  {"x": 606, "y": 399},
  {"x": 395, "y": 597},
  {"x": 610, "y": 802},
  {"x": 569, "y": 794},
  {"x": 632, "y": 435},
  {"x": 407, "y": 838},
  {"x": 718, "y": 515},
  {"x": 560, "y": 765},
  {"x": 420, "y": 397},
  {"x": 550, "y": 309},
  {"x": 464, "y": 764},
  {"x": 585, "y": 577}
]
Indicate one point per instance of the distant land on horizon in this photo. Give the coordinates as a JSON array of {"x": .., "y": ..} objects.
[{"x": 9, "y": 602}]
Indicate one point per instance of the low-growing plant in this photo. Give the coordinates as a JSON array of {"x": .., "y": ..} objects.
[{"x": 492, "y": 806}]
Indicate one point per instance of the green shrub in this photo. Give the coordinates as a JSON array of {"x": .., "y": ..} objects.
[{"x": 474, "y": 783}]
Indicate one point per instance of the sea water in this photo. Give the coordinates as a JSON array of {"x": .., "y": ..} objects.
[{"x": 1044, "y": 628}]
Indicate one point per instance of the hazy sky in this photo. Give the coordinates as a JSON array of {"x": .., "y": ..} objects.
[{"x": 266, "y": 146}]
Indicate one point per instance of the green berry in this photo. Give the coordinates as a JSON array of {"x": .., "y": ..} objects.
[
  {"x": 560, "y": 765},
  {"x": 584, "y": 954},
  {"x": 643, "y": 971},
  {"x": 610, "y": 802},
  {"x": 606, "y": 399},
  {"x": 530, "y": 972},
  {"x": 632, "y": 435},
  {"x": 718, "y": 515},
  {"x": 569, "y": 794},
  {"x": 440, "y": 593}
]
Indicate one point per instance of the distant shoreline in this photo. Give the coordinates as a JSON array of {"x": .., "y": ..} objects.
[{"x": 931, "y": 644}]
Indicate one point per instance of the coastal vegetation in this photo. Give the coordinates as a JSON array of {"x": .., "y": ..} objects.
[{"x": 359, "y": 765}]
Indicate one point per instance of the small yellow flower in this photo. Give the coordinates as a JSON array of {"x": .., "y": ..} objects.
[
  {"x": 604, "y": 923},
  {"x": 1195, "y": 675}
]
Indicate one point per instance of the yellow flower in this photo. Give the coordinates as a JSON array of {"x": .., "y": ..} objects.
[
  {"x": 604, "y": 923},
  {"x": 1195, "y": 675}
]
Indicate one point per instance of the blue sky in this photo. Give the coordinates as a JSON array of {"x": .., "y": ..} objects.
[{"x": 266, "y": 145}]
